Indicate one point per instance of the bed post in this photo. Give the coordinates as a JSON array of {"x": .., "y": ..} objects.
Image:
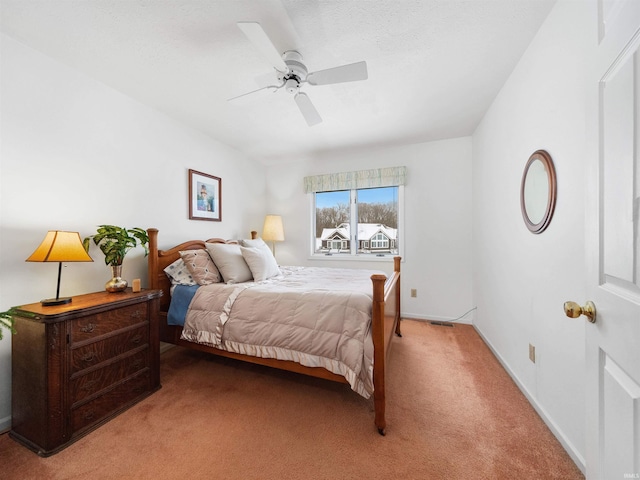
[
  {"x": 383, "y": 317},
  {"x": 396, "y": 269},
  {"x": 152, "y": 263},
  {"x": 379, "y": 363}
]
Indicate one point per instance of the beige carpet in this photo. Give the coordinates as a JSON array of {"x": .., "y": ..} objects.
[{"x": 452, "y": 413}]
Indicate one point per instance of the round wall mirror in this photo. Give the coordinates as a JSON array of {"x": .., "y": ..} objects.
[{"x": 538, "y": 191}]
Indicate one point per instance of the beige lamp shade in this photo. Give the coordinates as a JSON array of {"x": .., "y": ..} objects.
[
  {"x": 272, "y": 230},
  {"x": 60, "y": 246}
]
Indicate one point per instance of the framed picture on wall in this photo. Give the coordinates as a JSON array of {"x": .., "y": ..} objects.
[{"x": 205, "y": 197}]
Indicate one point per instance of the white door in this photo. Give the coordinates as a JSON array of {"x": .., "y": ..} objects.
[{"x": 613, "y": 245}]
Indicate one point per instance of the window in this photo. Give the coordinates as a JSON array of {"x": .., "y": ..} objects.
[
  {"x": 357, "y": 213},
  {"x": 380, "y": 241},
  {"x": 357, "y": 222}
]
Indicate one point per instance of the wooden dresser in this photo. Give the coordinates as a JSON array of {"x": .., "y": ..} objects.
[{"x": 76, "y": 366}]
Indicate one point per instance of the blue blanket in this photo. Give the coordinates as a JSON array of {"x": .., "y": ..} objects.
[{"x": 180, "y": 300}]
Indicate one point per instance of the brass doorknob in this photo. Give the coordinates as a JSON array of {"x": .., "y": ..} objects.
[{"x": 574, "y": 310}]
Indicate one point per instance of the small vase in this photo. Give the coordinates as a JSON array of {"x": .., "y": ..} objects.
[{"x": 117, "y": 283}]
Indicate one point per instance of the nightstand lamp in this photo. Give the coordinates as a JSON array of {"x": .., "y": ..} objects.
[
  {"x": 60, "y": 247},
  {"x": 272, "y": 231}
]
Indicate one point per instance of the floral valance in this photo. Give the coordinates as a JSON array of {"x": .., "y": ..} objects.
[{"x": 377, "y": 177}]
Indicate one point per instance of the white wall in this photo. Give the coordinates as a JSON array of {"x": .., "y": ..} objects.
[
  {"x": 437, "y": 256},
  {"x": 76, "y": 154},
  {"x": 521, "y": 280}
]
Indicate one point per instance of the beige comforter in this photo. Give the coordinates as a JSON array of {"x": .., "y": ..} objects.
[{"x": 318, "y": 317}]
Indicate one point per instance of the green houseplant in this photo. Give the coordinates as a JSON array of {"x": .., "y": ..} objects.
[
  {"x": 6, "y": 321},
  {"x": 115, "y": 242}
]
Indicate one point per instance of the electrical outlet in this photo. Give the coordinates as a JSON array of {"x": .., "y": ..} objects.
[
  {"x": 414, "y": 292},
  {"x": 532, "y": 353}
]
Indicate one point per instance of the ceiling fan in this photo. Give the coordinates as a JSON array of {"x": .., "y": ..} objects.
[{"x": 292, "y": 73}]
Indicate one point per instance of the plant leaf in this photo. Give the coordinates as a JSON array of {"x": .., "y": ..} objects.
[{"x": 116, "y": 241}]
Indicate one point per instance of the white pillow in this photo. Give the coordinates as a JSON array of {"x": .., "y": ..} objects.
[
  {"x": 261, "y": 262},
  {"x": 254, "y": 242},
  {"x": 228, "y": 258},
  {"x": 179, "y": 274}
]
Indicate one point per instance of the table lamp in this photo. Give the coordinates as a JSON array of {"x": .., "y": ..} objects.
[
  {"x": 272, "y": 231},
  {"x": 60, "y": 247}
]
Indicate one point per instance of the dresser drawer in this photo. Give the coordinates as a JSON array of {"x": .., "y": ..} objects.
[
  {"x": 83, "y": 386},
  {"x": 95, "y": 325},
  {"x": 110, "y": 402},
  {"x": 97, "y": 352}
]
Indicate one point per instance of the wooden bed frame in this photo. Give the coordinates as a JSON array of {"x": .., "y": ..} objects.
[{"x": 385, "y": 320}]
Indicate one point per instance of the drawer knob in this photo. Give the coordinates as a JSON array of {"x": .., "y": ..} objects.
[
  {"x": 89, "y": 357},
  {"x": 89, "y": 414},
  {"x": 137, "y": 339},
  {"x": 137, "y": 314},
  {"x": 88, "y": 328}
]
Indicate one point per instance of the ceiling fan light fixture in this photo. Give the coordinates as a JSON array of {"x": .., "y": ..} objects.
[{"x": 292, "y": 85}]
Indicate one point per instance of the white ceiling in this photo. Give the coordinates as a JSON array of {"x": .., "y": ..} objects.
[{"x": 434, "y": 66}]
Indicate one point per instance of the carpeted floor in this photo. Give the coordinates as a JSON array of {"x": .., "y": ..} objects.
[{"x": 452, "y": 413}]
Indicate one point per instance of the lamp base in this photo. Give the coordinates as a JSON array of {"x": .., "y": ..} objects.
[{"x": 55, "y": 301}]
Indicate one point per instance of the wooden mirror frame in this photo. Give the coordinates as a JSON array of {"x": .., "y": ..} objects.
[{"x": 547, "y": 162}]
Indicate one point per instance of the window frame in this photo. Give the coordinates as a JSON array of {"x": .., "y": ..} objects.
[{"x": 353, "y": 254}]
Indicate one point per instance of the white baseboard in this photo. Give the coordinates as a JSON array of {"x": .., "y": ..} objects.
[
  {"x": 437, "y": 318},
  {"x": 557, "y": 432},
  {"x": 5, "y": 424}
]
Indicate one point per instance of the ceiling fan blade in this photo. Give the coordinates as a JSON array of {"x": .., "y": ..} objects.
[
  {"x": 260, "y": 39},
  {"x": 345, "y": 73},
  {"x": 309, "y": 112}
]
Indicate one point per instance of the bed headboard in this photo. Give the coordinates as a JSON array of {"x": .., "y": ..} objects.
[{"x": 161, "y": 259}]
